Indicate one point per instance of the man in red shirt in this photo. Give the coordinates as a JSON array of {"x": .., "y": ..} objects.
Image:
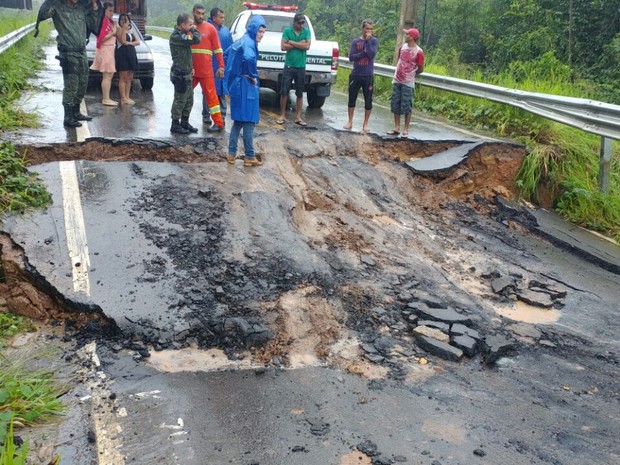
[{"x": 202, "y": 55}]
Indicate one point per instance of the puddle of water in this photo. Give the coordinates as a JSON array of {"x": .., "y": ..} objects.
[
  {"x": 448, "y": 432},
  {"x": 189, "y": 359},
  {"x": 355, "y": 458},
  {"x": 529, "y": 314}
]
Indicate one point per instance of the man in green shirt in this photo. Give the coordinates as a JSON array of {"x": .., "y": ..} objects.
[{"x": 295, "y": 42}]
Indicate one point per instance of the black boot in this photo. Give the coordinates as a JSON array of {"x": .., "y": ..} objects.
[
  {"x": 176, "y": 128},
  {"x": 185, "y": 125},
  {"x": 70, "y": 120},
  {"x": 79, "y": 116}
]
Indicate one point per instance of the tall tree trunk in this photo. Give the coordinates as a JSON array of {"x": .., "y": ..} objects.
[
  {"x": 408, "y": 15},
  {"x": 570, "y": 33}
]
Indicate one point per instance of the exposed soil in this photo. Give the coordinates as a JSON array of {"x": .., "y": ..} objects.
[{"x": 23, "y": 291}]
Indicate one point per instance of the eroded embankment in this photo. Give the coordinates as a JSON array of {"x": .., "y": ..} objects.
[{"x": 24, "y": 291}]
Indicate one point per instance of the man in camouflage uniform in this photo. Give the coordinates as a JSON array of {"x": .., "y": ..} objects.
[
  {"x": 74, "y": 20},
  {"x": 181, "y": 74}
]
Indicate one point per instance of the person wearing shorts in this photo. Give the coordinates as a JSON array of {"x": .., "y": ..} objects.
[
  {"x": 362, "y": 54},
  {"x": 410, "y": 64},
  {"x": 295, "y": 42}
]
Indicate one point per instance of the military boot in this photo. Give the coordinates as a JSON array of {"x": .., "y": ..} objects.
[
  {"x": 70, "y": 120},
  {"x": 185, "y": 125},
  {"x": 79, "y": 116},
  {"x": 176, "y": 128}
]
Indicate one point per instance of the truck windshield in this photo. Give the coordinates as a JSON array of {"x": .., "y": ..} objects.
[{"x": 277, "y": 23}]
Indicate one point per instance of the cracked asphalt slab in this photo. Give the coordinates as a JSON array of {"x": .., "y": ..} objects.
[{"x": 283, "y": 314}]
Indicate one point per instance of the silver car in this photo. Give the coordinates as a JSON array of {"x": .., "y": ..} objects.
[{"x": 146, "y": 65}]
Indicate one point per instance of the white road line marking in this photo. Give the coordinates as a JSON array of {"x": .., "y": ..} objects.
[
  {"x": 152, "y": 394},
  {"x": 75, "y": 228},
  {"x": 82, "y": 133}
]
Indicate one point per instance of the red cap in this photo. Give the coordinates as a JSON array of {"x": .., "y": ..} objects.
[{"x": 413, "y": 32}]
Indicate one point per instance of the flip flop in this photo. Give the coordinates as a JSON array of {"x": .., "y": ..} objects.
[
  {"x": 280, "y": 121},
  {"x": 393, "y": 133},
  {"x": 404, "y": 135},
  {"x": 301, "y": 123}
]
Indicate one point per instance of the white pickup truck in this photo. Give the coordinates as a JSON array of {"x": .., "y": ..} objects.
[{"x": 321, "y": 61}]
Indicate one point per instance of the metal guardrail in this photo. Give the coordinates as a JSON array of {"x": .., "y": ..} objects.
[
  {"x": 591, "y": 116},
  {"x": 12, "y": 38},
  {"x": 159, "y": 28}
]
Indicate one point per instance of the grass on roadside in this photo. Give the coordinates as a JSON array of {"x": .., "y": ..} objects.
[
  {"x": 20, "y": 189},
  {"x": 12, "y": 19},
  {"x": 18, "y": 64},
  {"x": 11, "y": 453},
  {"x": 27, "y": 395},
  {"x": 10, "y": 325}
]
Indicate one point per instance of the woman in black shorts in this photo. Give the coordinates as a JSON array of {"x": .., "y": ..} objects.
[{"x": 126, "y": 58}]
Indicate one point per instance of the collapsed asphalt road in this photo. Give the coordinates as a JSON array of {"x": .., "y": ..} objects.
[{"x": 336, "y": 254}]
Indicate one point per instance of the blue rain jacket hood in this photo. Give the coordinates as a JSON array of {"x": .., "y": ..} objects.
[{"x": 240, "y": 68}]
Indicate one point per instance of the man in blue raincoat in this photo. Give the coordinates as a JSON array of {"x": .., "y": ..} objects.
[{"x": 243, "y": 85}]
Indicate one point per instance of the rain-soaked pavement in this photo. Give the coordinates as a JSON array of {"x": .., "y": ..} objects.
[
  {"x": 149, "y": 117},
  {"x": 334, "y": 306}
]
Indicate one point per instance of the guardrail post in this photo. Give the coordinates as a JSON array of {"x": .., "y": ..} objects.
[{"x": 604, "y": 172}]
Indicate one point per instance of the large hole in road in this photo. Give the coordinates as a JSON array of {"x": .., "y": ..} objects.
[{"x": 369, "y": 248}]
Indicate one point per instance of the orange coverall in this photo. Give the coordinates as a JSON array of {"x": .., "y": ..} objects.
[{"x": 202, "y": 55}]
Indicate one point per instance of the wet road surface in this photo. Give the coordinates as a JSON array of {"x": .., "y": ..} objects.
[{"x": 149, "y": 118}]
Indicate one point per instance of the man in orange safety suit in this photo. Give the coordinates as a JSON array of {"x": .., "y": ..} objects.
[{"x": 202, "y": 55}]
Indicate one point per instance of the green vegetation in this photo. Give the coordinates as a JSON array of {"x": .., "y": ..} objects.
[
  {"x": 27, "y": 395},
  {"x": 12, "y": 19},
  {"x": 10, "y": 325},
  {"x": 20, "y": 190},
  {"x": 18, "y": 64},
  {"x": 10, "y": 453}
]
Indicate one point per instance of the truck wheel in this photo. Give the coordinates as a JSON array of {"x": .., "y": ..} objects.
[
  {"x": 314, "y": 101},
  {"x": 146, "y": 83}
]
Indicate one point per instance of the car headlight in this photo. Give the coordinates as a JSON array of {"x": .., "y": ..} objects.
[{"x": 145, "y": 56}]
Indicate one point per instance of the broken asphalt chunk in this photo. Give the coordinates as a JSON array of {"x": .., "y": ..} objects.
[
  {"x": 499, "y": 285},
  {"x": 441, "y": 349},
  {"x": 495, "y": 348},
  {"x": 555, "y": 291},
  {"x": 538, "y": 299},
  {"x": 458, "y": 329},
  {"x": 440, "y": 325},
  {"x": 367, "y": 447},
  {"x": 429, "y": 300},
  {"x": 446, "y": 315},
  {"x": 434, "y": 333},
  {"x": 467, "y": 344}
]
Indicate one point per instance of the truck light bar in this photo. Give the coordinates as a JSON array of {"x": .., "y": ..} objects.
[{"x": 261, "y": 6}]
